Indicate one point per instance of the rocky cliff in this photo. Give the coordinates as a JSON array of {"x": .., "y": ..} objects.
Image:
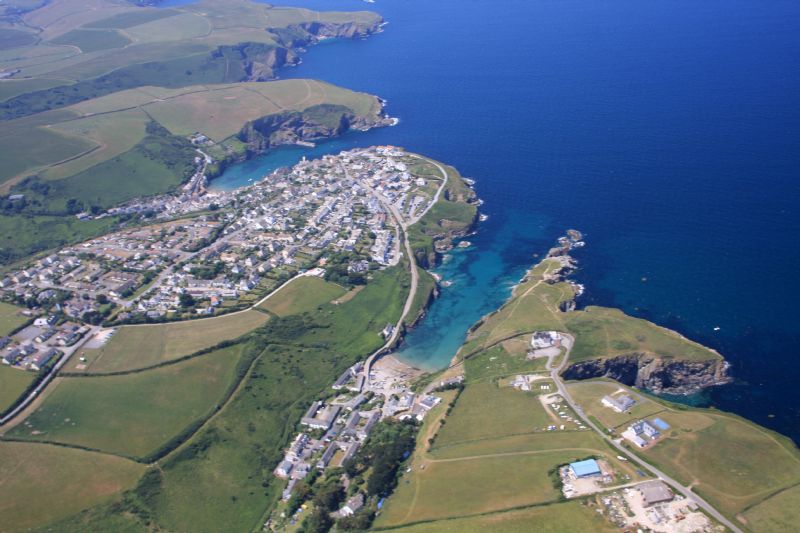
[
  {"x": 317, "y": 122},
  {"x": 653, "y": 373}
]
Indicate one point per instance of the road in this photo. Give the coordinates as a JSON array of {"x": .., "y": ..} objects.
[
  {"x": 412, "y": 262},
  {"x": 555, "y": 374}
]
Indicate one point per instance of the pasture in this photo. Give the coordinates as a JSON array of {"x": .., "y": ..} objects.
[
  {"x": 295, "y": 359},
  {"x": 92, "y": 40},
  {"x": 10, "y": 318},
  {"x": 471, "y": 485},
  {"x": 13, "y": 383},
  {"x": 43, "y": 483},
  {"x": 496, "y": 362},
  {"x": 604, "y": 332},
  {"x": 486, "y": 411},
  {"x": 732, "y": 462},
  {"x": 554, "y": 518},
  {"x": 132, "y": 414},
  {"x": 133, "y": 347},
  {"x": 589, "y": 394},
  {"x": 302, "y": 295}
]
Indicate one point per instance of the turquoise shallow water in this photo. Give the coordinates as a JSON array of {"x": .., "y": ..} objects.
[{"x": 668, "y": 131}]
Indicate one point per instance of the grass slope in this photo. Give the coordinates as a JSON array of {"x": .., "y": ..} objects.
[
  {"x": 10, "y": 318},
  {"x": 43, "y": 483},
  {"x": 132, "y": 414},
  {"x": 133, "y": 347},
  {"x": 302, "y": 295},
  {"x": 13, "y": 382},
  {"x": 221, "y": 479}
]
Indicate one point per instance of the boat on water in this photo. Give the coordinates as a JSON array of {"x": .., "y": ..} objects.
[{"x": 483, "y": 217}]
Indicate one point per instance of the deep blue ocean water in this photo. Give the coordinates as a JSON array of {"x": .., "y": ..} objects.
[{"x": 667, "y": 131}]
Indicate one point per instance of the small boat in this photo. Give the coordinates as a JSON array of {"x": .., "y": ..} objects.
[
  {"x": 483, "y": 218},
  {"x": 717, "y": 328}
]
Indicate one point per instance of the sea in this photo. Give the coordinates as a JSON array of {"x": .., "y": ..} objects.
[{"x": 667, "y": 131}]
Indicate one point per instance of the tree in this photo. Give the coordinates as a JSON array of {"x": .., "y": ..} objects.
[
  {"x": 186, "y": 300},
  {"x": 102, "y": 299},
  {"x": 319, "y": 521}
]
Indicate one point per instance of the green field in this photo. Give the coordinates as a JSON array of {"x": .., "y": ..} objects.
[
  {"x": 10, "y": 318},
  {"x": 733, "y": 463},
  {"x": 132, "y": 414},
  {"x": 92, "y": 40},
  {"x": 603, "y": 332},
  {"x": 486, "y": 411},
  {"x": 588, "y": 394},
  {"x": 222, "y": 478},
  {"x": 571, "y": 517},
  {"x": 22, "y": 235},
  {"x": 781, "y": 512},
  {"x": 43, "y": 483},
  {"x": 133, "y": 347},
  {"x": 13, "y": 383},
  {"x": 497, "y": 362},
  {"x": 110, "y": 47},
  {"x": 736, "y": 465},
  {"x": 302, "y": 295}
]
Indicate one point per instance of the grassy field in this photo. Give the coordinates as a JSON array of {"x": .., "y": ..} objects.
[
  {"x": 92, "y": 40},
  {"x": 603, "y": 332},
  {"x": 132, "y": 414},
  {"x": 485, "y": 411},
  {"x": 25, "y": 235},
  {"x": 133, "y": 347},
  {"x": 10, "y": 318},
  {"x": 302, "y": 295},
  {"x": 732, "y": 463},
  {"x": 570, "y": 517},
  {"x": 588, "y": 394},
  {"x": 111, "y": 46},
  {"x": 43, "y": 483},
  {"x": 736, "y": 465},
  {"x": 497, "y": 362},
  {"x": 781, "y": 512},
  {"x": 13, "y": 382},
  {"x": 221, "y": 479}
]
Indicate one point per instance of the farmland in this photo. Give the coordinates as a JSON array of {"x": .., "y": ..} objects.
[
  {"x": 302, "y": 295},
  {"x": 738, "y": 466},
  {"x": 138, "y": 137},
  {"x": 13, "y": 382},
  {"x": 133, "y": 347},
  {"x": 553, "y": 518},
  {"x": 10, "y": 318},
  {"x": 221, "y": 478},
  {"x": 68, "y": 480},
  {"x": 132, "y": 414},
  {"x": 485, "y": 410}
]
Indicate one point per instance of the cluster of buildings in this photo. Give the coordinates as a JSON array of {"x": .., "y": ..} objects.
[
  {"x": 40, "y": 344},
  {"x": 294, "y": 217},
  {"x": 335, "y": 429},
  {"x": 643, "y": 433},
  {"x": 282, "y": 224}
]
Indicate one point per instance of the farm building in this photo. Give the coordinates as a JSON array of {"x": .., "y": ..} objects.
[
  {"x": 620, "y": 404},
  {"x": 587, "y": 468},
  {"x": 655, "y": 492}
]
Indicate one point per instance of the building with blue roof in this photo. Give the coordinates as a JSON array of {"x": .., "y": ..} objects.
[{"x": 586, "y": 468}]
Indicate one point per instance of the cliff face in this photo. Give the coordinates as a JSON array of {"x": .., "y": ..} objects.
[
  {"x": 322, "y": 121},
  {"x": 656, "y": 374}
]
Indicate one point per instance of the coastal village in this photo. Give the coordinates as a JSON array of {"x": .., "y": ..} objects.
[{"x": 329, "y": 217}]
